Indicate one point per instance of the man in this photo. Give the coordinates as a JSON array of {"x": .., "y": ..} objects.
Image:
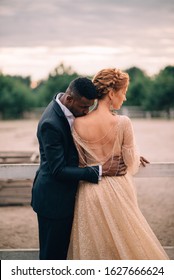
[{"x": 56, "y": 181}]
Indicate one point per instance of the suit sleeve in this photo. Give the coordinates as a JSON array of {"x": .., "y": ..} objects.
[{"x": 55, "y": 155}]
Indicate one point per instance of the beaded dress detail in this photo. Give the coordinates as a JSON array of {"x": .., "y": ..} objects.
[{"x": 108, "y": 223}]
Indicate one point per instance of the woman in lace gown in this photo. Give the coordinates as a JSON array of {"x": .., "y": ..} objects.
[{"x": 108, "y": 223}]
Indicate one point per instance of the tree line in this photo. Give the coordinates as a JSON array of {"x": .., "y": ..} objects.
[{"x": 151, "y": 93}]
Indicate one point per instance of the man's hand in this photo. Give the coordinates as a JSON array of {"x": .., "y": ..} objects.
[
  {"x": 143, "y": 161},
  {"x": 114, "y": 167}
]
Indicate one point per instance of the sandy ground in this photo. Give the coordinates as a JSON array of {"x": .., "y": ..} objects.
[{"x": 155, "y": 138}]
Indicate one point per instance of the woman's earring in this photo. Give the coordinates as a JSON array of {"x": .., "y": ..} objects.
[{"x": 111, "y": 108}]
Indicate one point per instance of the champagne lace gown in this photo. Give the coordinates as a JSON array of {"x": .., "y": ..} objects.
[{"x": 108, "y": 223}]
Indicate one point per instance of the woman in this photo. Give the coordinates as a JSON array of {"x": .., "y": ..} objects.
[{"x": 108, "y": 223}]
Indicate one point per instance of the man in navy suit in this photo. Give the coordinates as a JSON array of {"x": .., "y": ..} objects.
[{"x": 56, "y": 181}]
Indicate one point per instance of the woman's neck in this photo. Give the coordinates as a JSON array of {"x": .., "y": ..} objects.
[{"x": 103, "y": 106}]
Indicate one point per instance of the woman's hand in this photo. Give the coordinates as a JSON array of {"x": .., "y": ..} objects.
[{"x": 143, "y": 161}]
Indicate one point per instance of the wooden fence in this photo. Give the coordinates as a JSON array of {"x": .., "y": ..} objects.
[
  {"x": 19, "y": 157},
  {"x": 27, "y": 171}
]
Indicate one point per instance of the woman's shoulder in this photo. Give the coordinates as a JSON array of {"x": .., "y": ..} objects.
[
  {"x": 79, "y": 122},
  {"x": 124, "y": 119},
  {"x": 80, "y": 126},
  {"x": 125, "y": 122},
  {"x": 86, "y": 126}
]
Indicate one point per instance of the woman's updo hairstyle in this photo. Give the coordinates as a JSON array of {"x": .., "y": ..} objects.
[{"x": 108, "y": 79}]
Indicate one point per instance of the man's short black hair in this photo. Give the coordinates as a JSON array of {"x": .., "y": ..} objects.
[{"x": 83, "y": 87}]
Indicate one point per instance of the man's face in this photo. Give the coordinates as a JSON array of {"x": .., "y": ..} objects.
[{"x": 80, "y": 107}]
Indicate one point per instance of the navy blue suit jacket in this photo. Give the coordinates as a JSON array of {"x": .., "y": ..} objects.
[{"x": 56, "y": 181}]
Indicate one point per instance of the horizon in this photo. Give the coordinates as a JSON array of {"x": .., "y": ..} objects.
[{"x": 36, "y": 81}]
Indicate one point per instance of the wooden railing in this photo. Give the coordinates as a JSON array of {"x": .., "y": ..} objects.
[
  {"x": 18, "y": 157},
  {"x": 27, "y": 171}
]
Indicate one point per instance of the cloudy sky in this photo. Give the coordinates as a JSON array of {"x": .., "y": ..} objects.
[{"x": 36, "y": 36}]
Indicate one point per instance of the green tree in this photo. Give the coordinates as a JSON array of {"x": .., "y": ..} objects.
[
  {"x": 139, "y": 85},
  {"x": 58, "y": 81},
  {"x": 161, "y": 96},
  {"x": 15, "y": 96}
]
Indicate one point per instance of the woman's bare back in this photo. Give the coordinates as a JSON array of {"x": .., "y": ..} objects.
[{"x": 99, "y": 133}]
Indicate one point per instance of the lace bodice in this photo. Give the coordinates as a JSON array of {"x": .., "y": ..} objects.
[{"x": 118, "y": 140}]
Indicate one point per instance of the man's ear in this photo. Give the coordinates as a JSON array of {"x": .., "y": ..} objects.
[{"x": 69, "y": 98}]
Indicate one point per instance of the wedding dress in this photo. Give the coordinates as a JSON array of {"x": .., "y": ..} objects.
[{"x": 108, "y": 223}]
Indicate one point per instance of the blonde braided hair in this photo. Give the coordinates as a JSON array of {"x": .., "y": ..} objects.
[{"x": 111, "y": 78}]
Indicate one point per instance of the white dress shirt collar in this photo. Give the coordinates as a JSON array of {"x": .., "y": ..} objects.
[{"x": 70, "y": 117}]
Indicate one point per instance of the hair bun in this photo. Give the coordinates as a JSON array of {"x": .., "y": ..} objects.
[{"x": 111, "y": 78}]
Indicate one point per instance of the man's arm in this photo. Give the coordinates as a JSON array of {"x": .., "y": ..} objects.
[
  {"x": 55, "y": 156},
  {"x": 118, "y": 167},
  {"x": 114, "y": 167}
]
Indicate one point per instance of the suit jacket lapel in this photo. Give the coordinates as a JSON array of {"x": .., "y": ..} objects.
[{"x": 59, "y": 111}]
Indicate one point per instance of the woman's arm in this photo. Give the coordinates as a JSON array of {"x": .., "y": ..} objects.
[{"x": 130, "y": 152}]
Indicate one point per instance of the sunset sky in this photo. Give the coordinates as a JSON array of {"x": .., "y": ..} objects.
[{"x": 36, "y": 36}]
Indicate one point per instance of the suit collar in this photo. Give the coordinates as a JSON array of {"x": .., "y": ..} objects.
[
  {"x": 57, "y": 108},
  {"x": 66, "y": 112}
]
